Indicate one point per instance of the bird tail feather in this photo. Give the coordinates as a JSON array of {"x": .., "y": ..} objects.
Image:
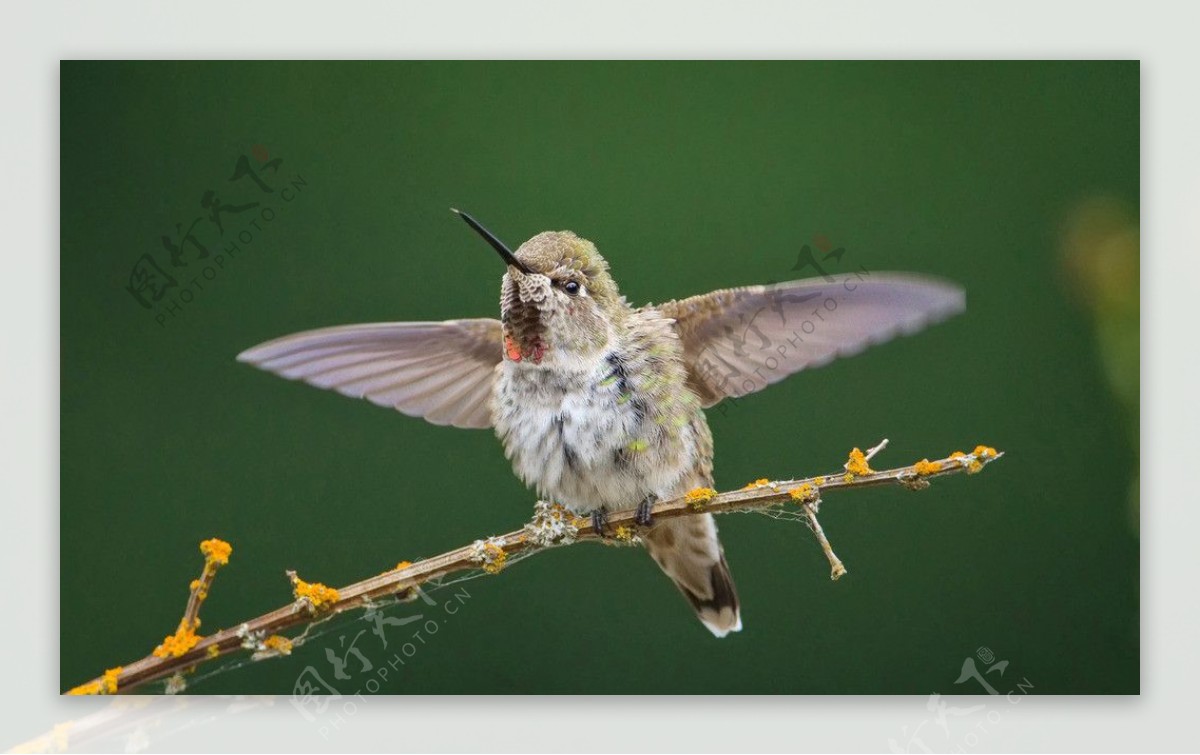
[{"x": 688, "y": 551}]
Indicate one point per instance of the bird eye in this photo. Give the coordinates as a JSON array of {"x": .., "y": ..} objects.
[{"x": 571, "y": 287}]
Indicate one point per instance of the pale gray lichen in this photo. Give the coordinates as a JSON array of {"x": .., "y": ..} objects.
[
  {"x": 489, "y": 554},
  {"x": 253, "y": 641},
  {"x": 176, "y": 684},
  {"x": 551, "y": 525}
]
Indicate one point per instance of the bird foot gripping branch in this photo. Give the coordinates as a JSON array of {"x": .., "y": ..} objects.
[{"x": 552, "y": 526}]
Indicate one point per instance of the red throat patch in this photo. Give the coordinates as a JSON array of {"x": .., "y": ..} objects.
[
  {"x": 515, "y": 353},
  {"x": 510, "y": 349}
]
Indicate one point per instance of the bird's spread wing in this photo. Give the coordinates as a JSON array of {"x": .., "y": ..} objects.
[
  {"x": 740, "y": 340},
  {"x": 441, "y": 371}
]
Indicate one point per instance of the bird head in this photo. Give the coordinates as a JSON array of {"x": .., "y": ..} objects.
[{"x": 558, "y": 303}]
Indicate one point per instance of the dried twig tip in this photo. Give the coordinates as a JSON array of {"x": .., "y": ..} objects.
[{"x": 836, "y": 568}]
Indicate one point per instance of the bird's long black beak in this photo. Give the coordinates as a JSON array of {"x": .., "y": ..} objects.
[{"x": 504, "y": 252}]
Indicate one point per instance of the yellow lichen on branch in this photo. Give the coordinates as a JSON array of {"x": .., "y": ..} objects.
[
  {"x": 925, "y": 467},
  {"x": 698, "y": 497},
  {"x": 982, "y": 455},
  {"x": 175, "y": 645},
  {"x": 806, "y": 493},
  {"x": 216, "y": 551},
  {"x": 314, "y": 594},
  {"x": 279, "y": 644},
  {"x": 857, "y": 464},
  {"x": 490, "y": 554},
  {"x": 105, "y": 685},
  {"x": 216, "y": 554},
  {"x": 551, "y": 527}
]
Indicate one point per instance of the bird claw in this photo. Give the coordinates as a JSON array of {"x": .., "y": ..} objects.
[
  {"x": 643, "y": 517},
  {"x": 600, "y": 522}
]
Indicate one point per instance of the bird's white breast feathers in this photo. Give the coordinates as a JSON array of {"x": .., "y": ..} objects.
[{"x": 586, "y": 440}]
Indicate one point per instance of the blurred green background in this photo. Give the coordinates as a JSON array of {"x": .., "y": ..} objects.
[{"x": 1020, "y": 180}]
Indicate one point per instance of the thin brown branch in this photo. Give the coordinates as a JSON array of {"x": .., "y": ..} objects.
[
  {"x": 551, "y": 527},
  {"x": 836, "y": 568}
]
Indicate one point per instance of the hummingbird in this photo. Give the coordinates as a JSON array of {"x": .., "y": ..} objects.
[{"x": 600, "y": 405}]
